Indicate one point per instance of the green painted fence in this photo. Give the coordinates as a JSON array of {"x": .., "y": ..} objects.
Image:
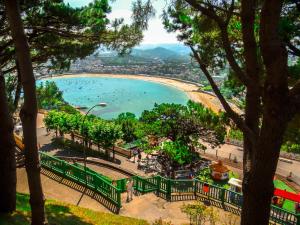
[
  {"x": 167, "y": 188},
  {"x": 87, "y": 178},
  {"x": 94, "y": 172},
  {"x": 171, "y": 189}
]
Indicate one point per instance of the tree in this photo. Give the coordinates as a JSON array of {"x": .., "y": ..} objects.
[
  {"x": 58, "y": 34},
  {"x": 48, "y": 95},
  {"x": 128, "y": 123},
  {"x": 28, "y": 112},
  {"x": 106, "y": 134},
  {"x": 260, "y": 62},
  {"x": 7, "y": 156},
  {"x": 177, "y": 151},
  {"x": 184, "y": 123}
]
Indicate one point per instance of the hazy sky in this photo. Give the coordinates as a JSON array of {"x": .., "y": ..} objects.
[{"x": 155, "y": 34}]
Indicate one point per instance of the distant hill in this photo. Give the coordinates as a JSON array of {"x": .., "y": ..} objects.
[
  {"x": 158, "y": 52},
  {"x": 145, "y": 53},
  {"x": 180, "y": 49}
]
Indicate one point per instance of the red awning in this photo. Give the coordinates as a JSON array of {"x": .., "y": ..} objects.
[{"x": 287, "y": 195}]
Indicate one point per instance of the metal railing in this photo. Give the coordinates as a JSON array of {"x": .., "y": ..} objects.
[
  {"x": 77, "y": 174},
  {"x": 164, "y": 187}
]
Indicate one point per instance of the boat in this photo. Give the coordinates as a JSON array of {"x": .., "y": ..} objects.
[
  {"x": 102, "y": 104},
  {"x": 81, "y": 107}
]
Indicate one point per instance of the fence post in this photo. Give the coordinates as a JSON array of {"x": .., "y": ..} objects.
[
  {"x": 64, "y": 168},
  {"x": 143, "y": 184},
  {"x": 119, "y": 197},
  {"x": 195, "y": 188},
  {"x": 168, "y": 190},
  {"x": 222, "y": 195},
  {"x": 136, "y": 188},
  {"x": 158, "y": 178}
]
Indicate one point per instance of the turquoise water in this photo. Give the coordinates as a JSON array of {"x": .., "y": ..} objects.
[{"x": 120, "y": 94}]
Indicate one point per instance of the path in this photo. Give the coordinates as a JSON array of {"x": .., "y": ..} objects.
[
  {"x": 151, "y": 207},
  {"x": 59, "y": 191},
  {"x": 148, "y": 207}
]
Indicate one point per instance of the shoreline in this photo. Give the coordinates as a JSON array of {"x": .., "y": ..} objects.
[{"x": 192, "y": 90}]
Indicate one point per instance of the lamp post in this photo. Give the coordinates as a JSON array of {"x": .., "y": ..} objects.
[{"x": 84, "y": 151}]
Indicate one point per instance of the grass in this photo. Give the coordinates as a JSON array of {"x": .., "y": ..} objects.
[
  {"x": 65, "y": 214},
  {"x": 288, "y": 204}
]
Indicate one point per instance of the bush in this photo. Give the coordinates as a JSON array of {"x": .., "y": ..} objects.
[
  {"x": 236, "y": 134},
  {"x": 291, "y": 148}
]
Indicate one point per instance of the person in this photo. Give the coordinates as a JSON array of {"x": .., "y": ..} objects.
[
  {"x": 191, "y": 173},
  {"x": 139, "y": 155},
  {"x": 129, "y": 188},
  {"x": 134, "y": 154}
]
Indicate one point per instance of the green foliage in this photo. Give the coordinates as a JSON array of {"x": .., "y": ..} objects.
[
  {"x": 105, "y": 133},
  {"x": 146, "y": 147},
  {"x": 291, "y": 147},
  {"x": 232, "y": 87},
  {"x": 292, "y": 136},
  {"x": 199, "y": 213},
  {"x": 205, "y": 176},
  {"x": 236, "y": 134},
  {"x": 128, "y": 123},
  {"x": 177, "y": 152},
  {"x": 207, "y": 88},
  {"x": 178, "y": 122},
  {"x": 48, "y": 95}
]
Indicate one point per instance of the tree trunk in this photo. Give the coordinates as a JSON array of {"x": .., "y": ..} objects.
[
  {"x": 28, "y": 112},
  {"x": 259, "y": 189},
  {"x": 7, "y": 155},
  {"x": 18, "y": 88}
]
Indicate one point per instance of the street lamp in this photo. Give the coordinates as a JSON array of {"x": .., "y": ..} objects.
[{"x": 84, "y": 152}]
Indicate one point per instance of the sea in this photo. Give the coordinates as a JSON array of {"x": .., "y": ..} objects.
[{"x": 119, "y": 94}]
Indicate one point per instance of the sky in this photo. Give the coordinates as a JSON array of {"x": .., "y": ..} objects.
[{"x": 156, "y": 34}]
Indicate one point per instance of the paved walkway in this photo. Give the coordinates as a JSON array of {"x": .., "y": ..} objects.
[
  {"x": 59, "y": 190},
  {"x": 148, "y": 207}
]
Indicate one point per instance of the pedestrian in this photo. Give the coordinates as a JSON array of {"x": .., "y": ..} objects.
[
  {"x": 139, "y": 155},
  {"x": 129, "y": 188},
  {"x": 134, "y": 154}
]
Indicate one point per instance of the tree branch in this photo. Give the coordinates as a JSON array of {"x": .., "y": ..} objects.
[
  {"x": 294, "y": 50},
  {"x": 225, "y": 39},
  {"x": 250, "y": 46},
  {"x": 232, "y": 114}
]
